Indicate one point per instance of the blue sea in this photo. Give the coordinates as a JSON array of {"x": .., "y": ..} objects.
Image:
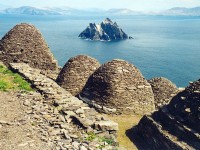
[{"x": 162, "y": 46}]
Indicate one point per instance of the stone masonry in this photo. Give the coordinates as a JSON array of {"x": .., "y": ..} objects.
[
  {"x": 163, "y": 90},
  {"x": 119, "y": 87},
  {"x": 76, "y": 72},
  {"x": 69, "y": 109},
  {"x": 25, "y": 43},
  {"x": 176, "y": 125}
]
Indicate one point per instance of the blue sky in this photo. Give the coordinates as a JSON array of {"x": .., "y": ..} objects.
[{"x": 144, "y": 5}]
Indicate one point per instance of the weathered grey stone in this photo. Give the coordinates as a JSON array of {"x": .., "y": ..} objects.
[
  {"x": 60, "y": 117},
  {"x": 3, "y": 122},
  {"x": 176, "y": 125},
  {"x": 106, "y": 125},
  {"x": 107, "y": 89},
  {"x": 80, "y": 111},
  {"x": 83, "y": 147},
  {"x": 76, "y": 72}
]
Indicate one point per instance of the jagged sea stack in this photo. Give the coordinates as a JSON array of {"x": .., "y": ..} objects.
[
  {"x": 24, "y": 43},
  {"x": 163, "y": 90},
  {"x": 177, "y": 125},
  {"x": 76, "y": 72},
  {"x": 106, "y": 31},
  {"x": 119, "y": 87}
]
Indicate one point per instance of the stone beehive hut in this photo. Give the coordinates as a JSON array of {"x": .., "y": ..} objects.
[
  {"x": 176, "y": 125},
  {"x": 76, "y": 72},
  {"x": 119, "y": 87},
  {"x": 163, "y": 90},
  {"x": 24, "y": 43}
]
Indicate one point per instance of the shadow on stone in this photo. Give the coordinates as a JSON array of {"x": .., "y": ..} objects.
[{"x": 135, "y": 138}]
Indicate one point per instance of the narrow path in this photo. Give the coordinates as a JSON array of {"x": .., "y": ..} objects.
[
  {"x": 63, "y": 121},
  {"x": 16, "y": 129}
]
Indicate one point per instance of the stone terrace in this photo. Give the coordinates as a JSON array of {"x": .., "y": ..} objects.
[
  {"x": 177, "y": 125},
  {"x": 69, "y": 107}
]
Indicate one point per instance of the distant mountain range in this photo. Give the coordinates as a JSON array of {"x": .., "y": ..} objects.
[
  {"x": 27, "y": 10},
  {"x": 181, "y": 11},
  {"x": 30, "y": 11}
]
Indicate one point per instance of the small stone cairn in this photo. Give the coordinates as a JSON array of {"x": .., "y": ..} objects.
[
  {"x": 119, "y": 87},
  {"x": 76, "y": 72},
  {"x": 163, "y": 90},
  {"x": 25, "y": 43}
]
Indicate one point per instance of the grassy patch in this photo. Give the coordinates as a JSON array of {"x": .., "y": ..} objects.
[
  {"x": 92, "y": 137},
  {"x": 125, "y": 122},
  {"x": 12, "y": 81}
]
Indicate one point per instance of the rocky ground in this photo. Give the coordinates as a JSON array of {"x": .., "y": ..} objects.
[
  {"x": 51, "y": 119},
  {"x": 27, "y": 121},
  {"x": 17, "y": 128}
]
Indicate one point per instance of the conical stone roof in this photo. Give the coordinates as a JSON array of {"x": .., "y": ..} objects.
[
  {"x": 25, "y": 43},
  {"x": 76, "y": 72},
  {"x": 119, "y": 87},
  {"x": 163, "y": 90}
]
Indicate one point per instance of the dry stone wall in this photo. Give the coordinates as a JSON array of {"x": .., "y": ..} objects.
[
  {"x": 176, "y": 125},
  {"x": 163, "y": 90},
  {"x": 69, "y": 109},
  {"x": 25, "y": 43},
  {"x": 119, "y": 87},
  {"x": 76, "y": 72}
]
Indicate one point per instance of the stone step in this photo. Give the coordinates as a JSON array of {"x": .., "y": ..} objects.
[
  {"x": 174, "y": 127},
  {"x": 185, "y": 108},
  {"x": 66, "y": 104},
  {"x": 157, "y": 138}
]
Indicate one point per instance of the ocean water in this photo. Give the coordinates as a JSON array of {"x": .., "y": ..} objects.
[{"x": 162, "y": 46}]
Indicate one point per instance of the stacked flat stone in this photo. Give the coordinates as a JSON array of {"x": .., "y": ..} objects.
[
  {"x": 176, "y": 125},
  {"x": 163, "y": 90},
  {"x": 65, "y": 119},
  {"x": 24, "y": 43},
  {"x": 187, "y": 105},
  {"x": 76, "y": 72},
  {"x": 119, "y": 87}
]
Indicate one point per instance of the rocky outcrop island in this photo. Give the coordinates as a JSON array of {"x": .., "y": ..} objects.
[{"x": 105, "y": 31}]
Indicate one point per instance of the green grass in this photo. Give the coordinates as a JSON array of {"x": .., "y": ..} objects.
[
  {"x": 12, "y": 81},
  {"x": 125, "y": 123},
  {"x": 92, "y": 136}
]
